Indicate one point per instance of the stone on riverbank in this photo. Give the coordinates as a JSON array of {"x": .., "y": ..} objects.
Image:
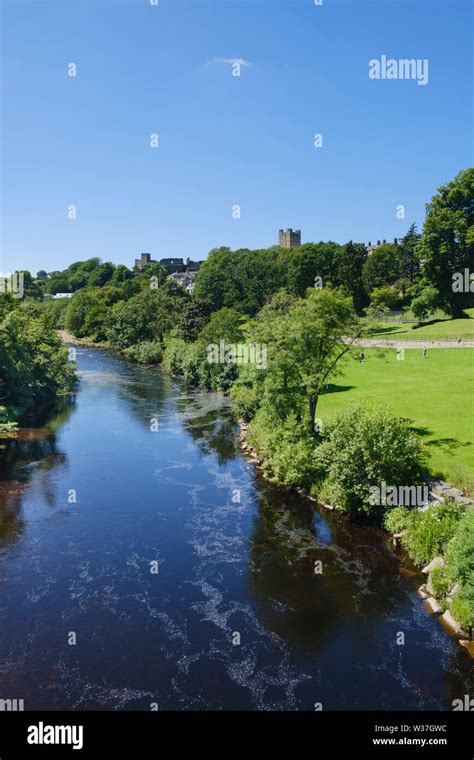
[
  {"x": 453, "y": 625},
  {"x": 435, "y": 562},
  {"x": 432, "y": 605},
  {"x": 469, "y": 645}
]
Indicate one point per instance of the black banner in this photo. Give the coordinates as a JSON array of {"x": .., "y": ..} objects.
[{"x": 127, "y": 734}]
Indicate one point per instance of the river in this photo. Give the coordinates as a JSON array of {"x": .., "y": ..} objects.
[{"x": 145, "y": 562}]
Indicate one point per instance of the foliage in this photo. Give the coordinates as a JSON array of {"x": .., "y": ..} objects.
[
  {"x": 349, "y": 267},
  {"x": 460, "y": 552},
  {"x": 447, "y": 244},
  {"x": 462, "y": 609},
  {"x": 425, "y": 303},
  {"x": 386, "y": 296},
  {"x": 440, "y": 580},
  {"x": 382, "y": 268},
  {"x": 145, "y": 352},
  {"x": 426, "y": 533},
  {"x": 307, "y": 341},
  {"x": 285, "y": 448},
  {"x": 396, "y": 519},
  {"x": 362, "y": 448},
  {"x": 148, "y": 316},
  {"x": 34, "y": 366}
]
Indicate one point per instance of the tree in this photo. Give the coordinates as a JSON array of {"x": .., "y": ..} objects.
[
  {"x": 223, "y": 325},
  {"x": 382, "y": 268},
  {"x": 241, "y": 280},
  {"x": 121, "y": 275},
  {"x": 77, "y": 311},
  {"x": 195, "y": 315},
  {"x": 409, "y": 259},
  {"x": 101, "y": 274},
  {"x": 144, "y": 317},
  {"x": 447, "y": 244},
  {"x": 386, "y": 296},
  {"x": 309, "y": 262},
  {"x": 307, "y": 341},
  {"x": 350, "y": 260},
  {"x": 35, "y": 369},
  {"x": 425, "y": 303},
  {"x": 41, "y": 275}
]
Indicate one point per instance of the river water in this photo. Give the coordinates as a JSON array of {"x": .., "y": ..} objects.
[{"x": 134, "y": 526}]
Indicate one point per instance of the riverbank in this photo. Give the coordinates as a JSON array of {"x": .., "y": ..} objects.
[{"x": 438, "y": 491}]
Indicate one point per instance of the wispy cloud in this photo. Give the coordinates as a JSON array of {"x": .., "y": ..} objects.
[{"x": 229, "y": 61}]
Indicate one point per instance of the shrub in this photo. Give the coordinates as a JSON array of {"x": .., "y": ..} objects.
[
  {"x": 440, "y": 580},
  {"x": 462, "y": 608},
  {"x": 286, "y": 447},
  {"x": 396, "y": 520},
  {"x": 460, "y": 552},
  {"x": 365, "y": 447},
  {"x": 146, "y": 352},
  {"x": 7, "y": 426},
  {"x": 426, "y": 534}
]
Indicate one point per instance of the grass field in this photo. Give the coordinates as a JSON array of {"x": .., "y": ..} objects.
[
  {"x": 445, "y": 329},
  {"x": 434, "y": 393}
]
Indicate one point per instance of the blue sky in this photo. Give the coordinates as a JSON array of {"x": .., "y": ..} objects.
[{"x": 223, "y": 140}]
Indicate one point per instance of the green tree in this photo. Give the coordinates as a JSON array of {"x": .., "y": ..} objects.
[
  {"x": 101, "y": 274},
  {"x": 350, "y": 260},
  {"x": 309, "y": 262},
  {"x": 148, "y": 316},
  {"x": 195, "y": 315},
  {"x": 447, "y": 244},
  {"x": 408, "y": 252},
  {"x": 382, "y": 268},
  {"x": 307, "y": 341}
]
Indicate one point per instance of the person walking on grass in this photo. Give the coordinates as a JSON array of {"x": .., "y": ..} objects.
[{"x": 425, "y": 351}]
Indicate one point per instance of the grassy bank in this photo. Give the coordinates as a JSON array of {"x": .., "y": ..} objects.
[
  {"x": 434, "y": 393},
  {"x": 443, "y": 329}
]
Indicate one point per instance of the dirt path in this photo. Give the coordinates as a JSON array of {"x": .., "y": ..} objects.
[
  {"x": 380, "y": 343},
  {"x": 70, "y": 340}
]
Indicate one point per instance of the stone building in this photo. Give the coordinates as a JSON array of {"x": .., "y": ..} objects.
[
  {"x": 289, "y": 238},
  {"x": 145, "y": 258}
]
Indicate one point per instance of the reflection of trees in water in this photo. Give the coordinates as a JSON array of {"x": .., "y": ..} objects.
[
  {"x": 205, "y": 416},
  {"x": 32, "y": 453},
  {"x": 212, "y": 429},
  {"x": 360, "y": 574}
]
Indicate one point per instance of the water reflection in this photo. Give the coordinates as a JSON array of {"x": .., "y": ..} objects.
[{"x": 226, "y": 566}]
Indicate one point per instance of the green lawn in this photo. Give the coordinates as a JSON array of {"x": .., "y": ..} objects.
[
  {"x": 434, "y": 393},
  {"x": 445, "y": 329}
]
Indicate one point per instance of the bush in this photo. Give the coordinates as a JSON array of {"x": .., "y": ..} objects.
[
  {"x": 35, "y": 367},
  {"x": 363, "y": 448},
  {"x": 440, "y": 580},
  {"x": 146, "y": 352},
  {"x": 462, "y": 608},
  {"x": 286, "y": 447},
  {"x": 460, "y": 552},
  {"x": 246, "y": 399},
  {"x": 427, "y": 533},
  {"x": 396, "y": 520},
  {"x": 7, "y": 427}
]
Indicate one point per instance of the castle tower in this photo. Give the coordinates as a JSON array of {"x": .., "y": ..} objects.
[{"x": 289, "y": 238}]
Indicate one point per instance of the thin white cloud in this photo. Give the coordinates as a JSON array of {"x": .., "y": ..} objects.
[{"x": 229, "y": 61}]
